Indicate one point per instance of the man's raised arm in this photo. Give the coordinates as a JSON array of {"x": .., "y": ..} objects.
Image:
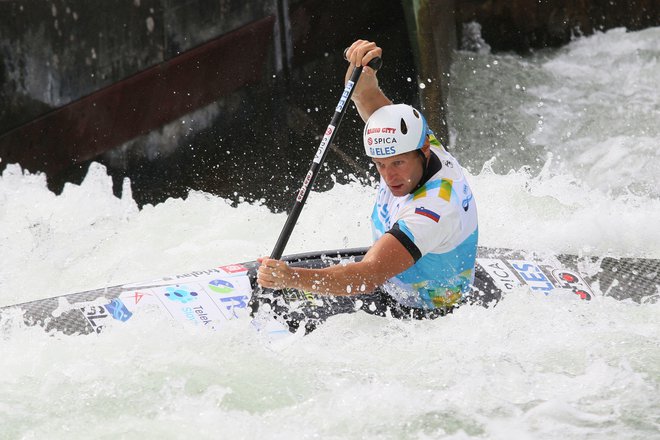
[{"x": 367, "y": 96}]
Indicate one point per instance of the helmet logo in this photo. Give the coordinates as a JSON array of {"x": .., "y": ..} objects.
[{"x": 380, "y": 144}]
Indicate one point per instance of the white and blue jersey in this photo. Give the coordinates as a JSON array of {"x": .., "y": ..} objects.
[{"x": 437, "y": 224}]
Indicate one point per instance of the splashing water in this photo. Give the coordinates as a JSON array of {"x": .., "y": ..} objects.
[{"x": 532, "y": 367}]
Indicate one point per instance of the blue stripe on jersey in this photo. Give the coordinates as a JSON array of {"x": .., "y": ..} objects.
[
  {"x": 445, "y": 266},
  {"x": 375, "y": 219}
]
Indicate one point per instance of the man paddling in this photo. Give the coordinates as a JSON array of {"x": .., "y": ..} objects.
[{"x": 424, "y": 220}]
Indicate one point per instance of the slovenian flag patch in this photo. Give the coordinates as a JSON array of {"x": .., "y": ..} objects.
[{"x": 428, "y": 213}]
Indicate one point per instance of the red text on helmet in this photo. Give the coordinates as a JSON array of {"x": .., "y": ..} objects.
[{"x": 381, "y": 130}]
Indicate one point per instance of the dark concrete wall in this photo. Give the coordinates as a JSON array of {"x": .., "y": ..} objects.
[
  {"x": 523, "y": 25},
  {"x": 54, "y": 52}
]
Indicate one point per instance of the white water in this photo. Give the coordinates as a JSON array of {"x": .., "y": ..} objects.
[{"x": 533, "y": 367}]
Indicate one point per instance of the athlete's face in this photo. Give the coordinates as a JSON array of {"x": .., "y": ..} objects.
[{"x": 402, "y": 172}]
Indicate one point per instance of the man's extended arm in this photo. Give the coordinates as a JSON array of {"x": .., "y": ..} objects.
[{"x": 386, "y": 258}]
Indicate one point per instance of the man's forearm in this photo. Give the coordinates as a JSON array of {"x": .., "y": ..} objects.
[
  {"x": 370, "y": 101},
  {"x": 339, "y": 280}
]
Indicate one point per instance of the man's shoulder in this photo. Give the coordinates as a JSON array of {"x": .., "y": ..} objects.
[{"x": 451, "y": 168}]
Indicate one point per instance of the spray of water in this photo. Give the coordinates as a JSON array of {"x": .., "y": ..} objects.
[{"x": 532, "y": 367}]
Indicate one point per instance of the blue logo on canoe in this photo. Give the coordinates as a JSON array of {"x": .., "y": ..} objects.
[
  {"x": 118, "y": 310},
  {"x": 180, "y": 294}
]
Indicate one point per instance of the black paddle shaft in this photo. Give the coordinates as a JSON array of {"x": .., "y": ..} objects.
[{"x": 319, "y": 158}]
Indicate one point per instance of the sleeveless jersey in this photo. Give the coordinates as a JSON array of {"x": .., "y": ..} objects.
[{"x": 438, "y": 226}]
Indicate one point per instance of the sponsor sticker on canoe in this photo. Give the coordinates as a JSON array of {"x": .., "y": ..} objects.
[
  {"x": 500, "y": 273},
  {"x": 99, "y": 316},
  {"x": 231, "y": 296},
  {"x": 207, "y": 302},
  {"x": 139, "y": 298},
  {"x": 233, "y": 269},
  {"x": 569, "y": 279},
  {"x": 190, "y": 303},
  {"x": 532, "y": 275}
]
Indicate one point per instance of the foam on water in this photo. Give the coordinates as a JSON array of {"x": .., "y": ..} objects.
[
  {"x": 599, "y": 110},
  {"x": 532, "y": 367},
  {"x": 592, "y": 107}
]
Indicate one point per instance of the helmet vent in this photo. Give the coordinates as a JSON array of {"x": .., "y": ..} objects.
[{"x": 404, "y": 127}]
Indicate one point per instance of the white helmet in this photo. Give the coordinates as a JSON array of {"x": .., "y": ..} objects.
[{"x": 394, "y": 129}]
